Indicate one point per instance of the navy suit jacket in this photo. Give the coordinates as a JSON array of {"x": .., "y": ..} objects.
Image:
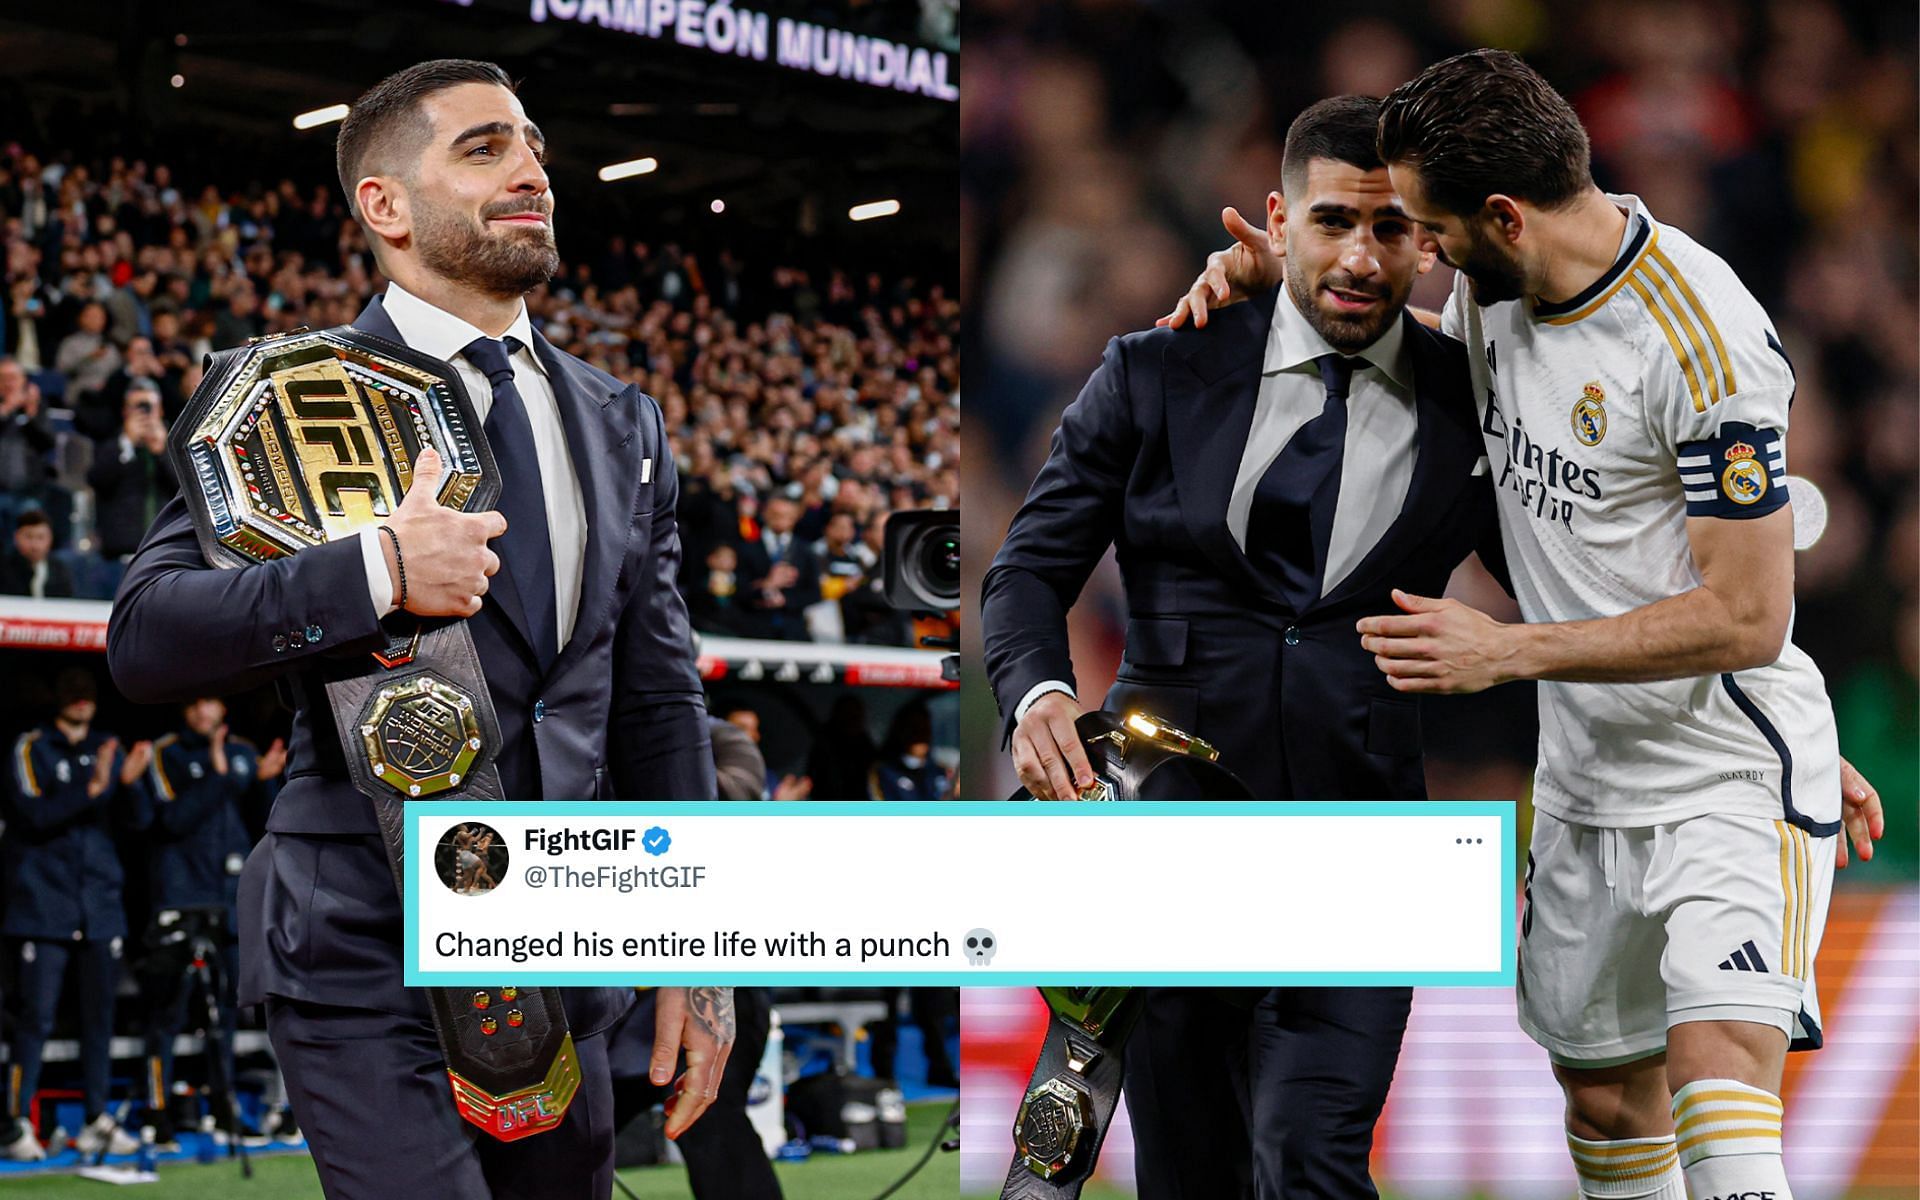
[
  {"x": 1144, "y": 460},
  {"x": 620, "y": 713}
]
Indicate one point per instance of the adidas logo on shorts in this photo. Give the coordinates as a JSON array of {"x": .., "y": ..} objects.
[{"x": 1747, "y": 958}]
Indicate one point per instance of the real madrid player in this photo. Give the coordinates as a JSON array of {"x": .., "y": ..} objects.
[{"x": 1634, "y": 400}]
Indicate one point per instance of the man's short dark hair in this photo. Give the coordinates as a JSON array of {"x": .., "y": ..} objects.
[
  {"x": 31, "y": 518},
  {"x": 1481, "y": 123},
  {"x": 1341, "y": 128},
  {"x": 388, "y": 124}
]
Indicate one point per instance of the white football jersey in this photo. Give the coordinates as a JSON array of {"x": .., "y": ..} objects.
[{"x": 1660, "y": 392}]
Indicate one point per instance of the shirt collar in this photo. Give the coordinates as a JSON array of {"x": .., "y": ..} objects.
[
  {"x": 437, "y": 332},
  {"x": 1293, "y": 342}
]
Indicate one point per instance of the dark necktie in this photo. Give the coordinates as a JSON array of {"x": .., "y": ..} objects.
[
  {"x": 1290, "y": 523},
  {"x": 525, "y": 549}
]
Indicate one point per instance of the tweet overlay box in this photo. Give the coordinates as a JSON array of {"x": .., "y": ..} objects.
[{"x": 960, "y": 894}]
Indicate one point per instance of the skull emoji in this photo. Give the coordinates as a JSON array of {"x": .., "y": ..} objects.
[{"x": 980, "y": 946}]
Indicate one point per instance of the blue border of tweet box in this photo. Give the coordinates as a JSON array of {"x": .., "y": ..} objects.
[{"x": 665, "y": 811}]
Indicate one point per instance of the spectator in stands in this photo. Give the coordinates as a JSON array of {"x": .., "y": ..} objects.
[
  {"x": 87, "y": 356},
  {"x": 98, "y": 415},
  {"x": 783, "y": 576},
  {"x": 906, "y": 770},
  {"x": 131, "y": 476},
  {"x": 842, "y": 566},
  {"x": 26, "y": 441},
  {"x": 737, "y": 761},
  {"x": 745, "y": 720},
  {"x": 71, "y": 787},
  {"x": 713, "y": 601},
  {"x": 30, "y": 569}
]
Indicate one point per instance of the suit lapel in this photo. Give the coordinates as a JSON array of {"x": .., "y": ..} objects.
[
  {"x": 1212, "y": 380},
  {"x": 600, "y": 434},
  {"x": 1448, "y": 443},
  {"x": 502, "y": 593}
]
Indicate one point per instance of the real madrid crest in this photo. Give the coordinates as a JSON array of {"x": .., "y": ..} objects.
[
  {"x": 1590, "y": 414},
  {"x": 1744, "y": 481}
]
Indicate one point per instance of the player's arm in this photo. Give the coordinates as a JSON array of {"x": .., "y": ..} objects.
[
  {"x": 1735, "y": 620},
  {"x": 44, "y": 802},
  {"x": 1059, "y": 535}
]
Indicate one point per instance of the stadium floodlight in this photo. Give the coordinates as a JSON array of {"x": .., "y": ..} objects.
[
  {"x": 872, "y": 209},
  {"x": 321, "y": 116},
  {"x": 178, "y": 81},
  {"x": 627, "y": 170},
  {"x": 718, "y": 207}
]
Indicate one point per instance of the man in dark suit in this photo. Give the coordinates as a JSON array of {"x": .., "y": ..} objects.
[
  {"x": 783, "y": 576},
  {"x": 30, "y": 569},
  {"x": 569, "y": 594},
  {"x": 1264, "y": 485}
]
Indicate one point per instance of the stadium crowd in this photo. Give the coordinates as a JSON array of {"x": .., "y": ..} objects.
[
  {"x": 1103, "y": 139},
  {"x": 804, "y": 403}
]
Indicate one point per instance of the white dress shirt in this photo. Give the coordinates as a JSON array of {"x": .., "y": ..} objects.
[
  {"x": 1376, "y": 467},
  {"x": 439, "y": 333}
]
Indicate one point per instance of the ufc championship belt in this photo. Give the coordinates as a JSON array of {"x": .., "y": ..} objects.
[
  {"x": 305, "y": 438},
  {"x": 1077, "y": 1080}
]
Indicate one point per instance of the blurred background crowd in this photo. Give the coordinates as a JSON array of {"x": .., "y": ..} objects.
[
  {"x": 1100, "y": 140},
  {"x": 805, "y": 401}
]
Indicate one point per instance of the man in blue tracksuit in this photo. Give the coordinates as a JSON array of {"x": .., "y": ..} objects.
[
  {"x": 70, "y": 784},
  {"x": 206, "y": 791}
]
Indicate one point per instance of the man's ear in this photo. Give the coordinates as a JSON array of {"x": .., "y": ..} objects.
[
  {"x": 1507, "y": 217},
  {"x": 1277, "y": 222},
  {"x": 384, "y": 210}
]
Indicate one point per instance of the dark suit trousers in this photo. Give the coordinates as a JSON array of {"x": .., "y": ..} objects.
[
  {"x": 725, "y": 1160},
  {"x": 1274, "y": 1095},
  {"x": 356, "y": 1078}
]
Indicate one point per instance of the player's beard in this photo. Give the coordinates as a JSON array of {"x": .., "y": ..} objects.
[
  {"x": 1348, "y": 333},
  {"x": 1493, "y": 275},
  {"x": 508, "y": 262}
]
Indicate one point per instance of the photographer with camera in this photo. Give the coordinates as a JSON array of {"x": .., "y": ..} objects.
[
  {"x": 131, "y": 477},
  {"x": 207, "y": 791}
]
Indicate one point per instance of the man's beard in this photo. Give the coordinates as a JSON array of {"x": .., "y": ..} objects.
[
  {"x": 1348, "y": 333},
  {"x": 1492, "y": 277},
  {"x": 508, "y": 265}
]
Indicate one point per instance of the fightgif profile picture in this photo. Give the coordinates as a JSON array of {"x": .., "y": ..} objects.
[{"x": 471, "y": 859}]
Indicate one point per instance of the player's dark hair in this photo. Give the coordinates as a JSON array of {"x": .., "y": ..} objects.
[
  {"x": 388, "y": 125},
  {"x": 1481, "y": 123},
  {"x": 32, "y": 518},
  {"x": 1341, "y": 128}
]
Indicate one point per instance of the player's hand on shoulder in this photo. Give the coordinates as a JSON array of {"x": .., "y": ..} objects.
[
  {"x": 1047, "y": 753},
  {"x": 1249, "y": 266},
  {"x": 443, "y": 552}
]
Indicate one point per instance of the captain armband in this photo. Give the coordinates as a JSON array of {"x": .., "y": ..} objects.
[{"x": 1739, "y": 472}]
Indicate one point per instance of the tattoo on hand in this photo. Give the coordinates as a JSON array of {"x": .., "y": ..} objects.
[{"x": 713, "y": 1008}]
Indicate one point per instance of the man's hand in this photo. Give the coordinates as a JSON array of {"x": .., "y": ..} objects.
[
  {"x": 102, "y": 777},
  {"x": 217, "y": 750},
  {"x": 274, "y": 760},
  {"x": 700, "y": 1021},
  {"x": 1860, "y": 811},
  {"x": 448, "y": 562},
  {"x": 1438, "y": 646},
  {"x": 137, "y": 761},
  {"x": 1047, "y": 752},
  {"x": 794, "y": 787},
  {"x": 1249, "y": 266}
]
